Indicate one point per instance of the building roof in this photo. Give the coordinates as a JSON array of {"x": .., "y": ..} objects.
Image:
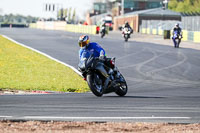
[{"x": 152, "y": 12}]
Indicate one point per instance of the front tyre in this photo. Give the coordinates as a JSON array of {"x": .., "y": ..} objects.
[
  {"x": 126, "y": 38},
  {"x": 95, "y": 84},
  {"x": 122, "y": 88},
  {"x": 102, "y": 35}
]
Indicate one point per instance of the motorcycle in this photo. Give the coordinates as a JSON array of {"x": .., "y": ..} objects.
[
  {"x": 102, "y": 79},
  {"x": 176, "y": 39},
  {"x": 126, "y": 33},
  {"x": 103, "y": 31}
]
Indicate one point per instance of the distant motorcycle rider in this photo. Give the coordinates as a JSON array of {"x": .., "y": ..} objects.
[
  {"x": 103, "y": 29},
  {"x": 126, "y": 25},
  {"x": 103, "y": 24},
  {"x": 177, "y": 29}
]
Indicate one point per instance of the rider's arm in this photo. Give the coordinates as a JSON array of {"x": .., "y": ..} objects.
[
  {"x": 131, "y": 29},
  {"x": 173, "y": 31},
  {"x": 180, "y": 30},
  {"x": 80, "y": 53},
  {"x": 99, "y": 49},
  {"x": 83, "y": 54},
  {"x": 181, "y": 33}
]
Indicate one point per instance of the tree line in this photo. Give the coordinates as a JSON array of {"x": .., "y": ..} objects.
[
  {"x": 185, "y": 6},
  {"x": 17, "y": 19},
  {"x": 67, "y": 15}
]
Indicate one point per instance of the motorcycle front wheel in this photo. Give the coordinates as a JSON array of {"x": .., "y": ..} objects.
[
  {"x": 95, "y": 83},
  {"x": 126, "y": 38},
  {"x": 102, "y": 35}
]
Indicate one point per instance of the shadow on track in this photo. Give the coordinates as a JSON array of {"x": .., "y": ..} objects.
[{"x": 153, "y": 97}]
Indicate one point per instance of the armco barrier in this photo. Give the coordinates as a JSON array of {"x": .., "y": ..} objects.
[
  {"x": 160, "y": 32},
  {"x": 89, "y": 29},
  {"x": 197, "y": 37},
  {"x": 144, "y": 30},
  {"x": 33, "y": 25},
  {"x": 154, "y": 31},
  {"x": 59, "y": 25},
  {"x": 187, "y": 35},
  {"x": 190, "y": 35},
  {"x": 51, "y": 25},
  {"x": 148, "y": 31}
]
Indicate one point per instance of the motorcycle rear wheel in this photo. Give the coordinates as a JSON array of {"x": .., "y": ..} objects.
[
  {"x": 123, "y": 88},
  {"x": 96, "y": 87}
]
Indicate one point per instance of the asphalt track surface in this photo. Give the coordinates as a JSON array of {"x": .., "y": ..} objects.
[{"x": 164, "y": 82}]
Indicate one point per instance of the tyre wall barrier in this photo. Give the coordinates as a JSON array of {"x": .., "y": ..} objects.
[
  {"x": 48, "y": 25},
  {"x": 14, "y": 25},
  {"x": 193, "y": 36},
  {"x": 89, "y": 29},
  {"x": 33, "y": 25}
]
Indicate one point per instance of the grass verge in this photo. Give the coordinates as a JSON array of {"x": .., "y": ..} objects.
[{"x": 24, "y": 69}]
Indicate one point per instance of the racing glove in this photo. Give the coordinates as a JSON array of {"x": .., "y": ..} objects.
[{"x": 102, "y": 56}]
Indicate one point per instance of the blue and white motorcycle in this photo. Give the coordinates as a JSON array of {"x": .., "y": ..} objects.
[{"x": 176, "y": 39}]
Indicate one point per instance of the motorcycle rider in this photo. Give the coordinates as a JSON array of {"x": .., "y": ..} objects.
[
  {"x": 177, "y": 29},
  {"x": 103, "y": 27},
  {"x": 126, "y": 25},
  {"x": 92, "y": 48},
  {"x": 103, "y": 24}
]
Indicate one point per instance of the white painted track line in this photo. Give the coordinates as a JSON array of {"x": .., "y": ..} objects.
[
  {"x": 94, "y": 118},
  {"x": 100, "y": 118},
  {"x": 5, "y": 116}
]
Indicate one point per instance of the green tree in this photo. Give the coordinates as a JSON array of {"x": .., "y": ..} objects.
[
  {"x": 69, "y": 15},
  {"x": 17, "y": 19},
  {"x": 197, "y": 5},
  {"x": 60, "y": 14},
  {"x": 65, "y": 13},
  {"x": 172, "y": 4},
  {"x": 186, "y": 6},
  {"x": 181, "y": 7},
  {"x": 74, "y": 15}
]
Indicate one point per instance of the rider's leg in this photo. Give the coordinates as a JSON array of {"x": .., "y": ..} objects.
[
  {"x": 179, "y": 41},
  {"x": 174, "y": 40}
]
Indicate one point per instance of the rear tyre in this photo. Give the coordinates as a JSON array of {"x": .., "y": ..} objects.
[
  {"x": 123, "y": 88},
  {"x": 95, "y": 84}
]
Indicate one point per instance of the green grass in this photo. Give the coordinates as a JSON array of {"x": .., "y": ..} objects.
[{"x": 24, "y": 69}]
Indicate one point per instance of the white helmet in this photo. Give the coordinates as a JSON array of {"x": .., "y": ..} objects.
[{"x": 177, "y": 24}]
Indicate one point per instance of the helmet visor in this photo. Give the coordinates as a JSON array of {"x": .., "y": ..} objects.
[{"x": 83, "y": 44}]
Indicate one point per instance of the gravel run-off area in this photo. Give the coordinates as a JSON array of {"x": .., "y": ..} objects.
[{"x": 94, "y": 127}]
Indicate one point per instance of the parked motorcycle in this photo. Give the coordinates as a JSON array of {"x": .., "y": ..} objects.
[
  {"x": 102, "y": 79},
  {"x": 126, "y": 33},
  {"x": 176, "y": 39}
]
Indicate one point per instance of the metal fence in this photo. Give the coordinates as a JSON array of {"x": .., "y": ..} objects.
[
  {"x": 190, "y": 26},
  {"x": 189, "y": 23},
  {"x": 158, "y": 24}
]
